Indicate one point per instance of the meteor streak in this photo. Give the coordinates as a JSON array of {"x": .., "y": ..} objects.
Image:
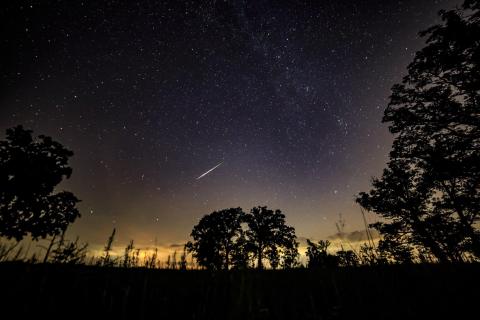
[{"x": 203, "y": 175}]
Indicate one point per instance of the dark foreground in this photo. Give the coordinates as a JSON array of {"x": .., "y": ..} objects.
[{"x": 390, "y": 292}]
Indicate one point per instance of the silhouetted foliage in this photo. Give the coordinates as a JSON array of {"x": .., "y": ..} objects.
[
  {"x": 29, "y": 171},
  {"x": 399, "y": 198},
  {"x": 347, "y": 258},
  {"x": 242, "y": 253},
  {"x": 371, "y": 256},
  {"x": 290, "y": 255},
  {"x": 107, "y": 260},
  {"x": 5, "y": 250},
  {"x": 267, "y": 235},
  {"x": 128, "y": 255},
  {"x": 232, "y": 239},
  {"x": 173, "y": 261},
  {"x": 214, "y": 238},
  {"x": 168, "y": 263},
  {"x": 182, "y": 265},
  {"x": 151, "y": 261},
  {"x": 429, "y": 194},
  {"x": 69, "y": 252},
  {"x": 395, "y": 251},
  {"x": 318, "y": 257}
]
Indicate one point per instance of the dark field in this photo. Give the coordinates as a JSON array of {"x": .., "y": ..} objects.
[{"x": 389, "y": 292}]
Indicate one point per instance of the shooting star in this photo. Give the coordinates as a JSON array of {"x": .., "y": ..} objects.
[{"x": 203, "y": 175}]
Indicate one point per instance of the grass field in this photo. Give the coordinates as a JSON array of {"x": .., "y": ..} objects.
[{"x": 387, "y": 292}]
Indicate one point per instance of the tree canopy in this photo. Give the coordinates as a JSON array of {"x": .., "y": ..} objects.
[
  {"x": 268, "y": 234},
  {"x": 214, "y": 238},
  {"x": 30, "y": 169},
  {"x": 429, "y": 193},
  {"x": 230, "y": 238}
]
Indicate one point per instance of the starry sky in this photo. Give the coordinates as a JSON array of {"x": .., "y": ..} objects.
[{"x": 287, "y": 95}]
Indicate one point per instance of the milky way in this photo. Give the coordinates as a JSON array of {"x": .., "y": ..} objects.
[{"x": 289, "y": 97}]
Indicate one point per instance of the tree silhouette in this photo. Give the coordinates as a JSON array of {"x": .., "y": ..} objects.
[
  {"x": 429, "y": 194},
  {"x": 29, "y": 171},
  {"x": 267, "y": 233},
  {"x": 215, "y": 238},
  {"x": 401, "y": 197}
]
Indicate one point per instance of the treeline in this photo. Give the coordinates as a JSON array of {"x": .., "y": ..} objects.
[
  {"x": 428, "y": 196},
  {"x": 319, "y": 255}
]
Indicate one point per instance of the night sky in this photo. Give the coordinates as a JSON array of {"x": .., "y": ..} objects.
[{"x": 287, "y": 95}]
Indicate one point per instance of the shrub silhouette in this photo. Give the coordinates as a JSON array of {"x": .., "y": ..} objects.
[
  {"x": 69, "y": 252},
  {"x": 347, "y": 258},
  {"x": 318, "y": 257}
]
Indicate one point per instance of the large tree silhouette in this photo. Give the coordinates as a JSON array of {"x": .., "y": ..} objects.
[
  {"x": 215, "y": 238},
  {"x": 30, "y": 169},
  {"x": 402, "y": 198},
  {"x": 429, "y": 194},
  {"x": 268, "y": 236},
  {"x": 230, "y": 238}
]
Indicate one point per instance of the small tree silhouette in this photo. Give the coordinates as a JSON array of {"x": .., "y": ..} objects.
[{"x": 29, "y": 171}]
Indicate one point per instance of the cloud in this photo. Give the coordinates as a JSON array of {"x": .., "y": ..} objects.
[
  {"x": 177, "y": 245},
  {"x": 355, "y": 236}
]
